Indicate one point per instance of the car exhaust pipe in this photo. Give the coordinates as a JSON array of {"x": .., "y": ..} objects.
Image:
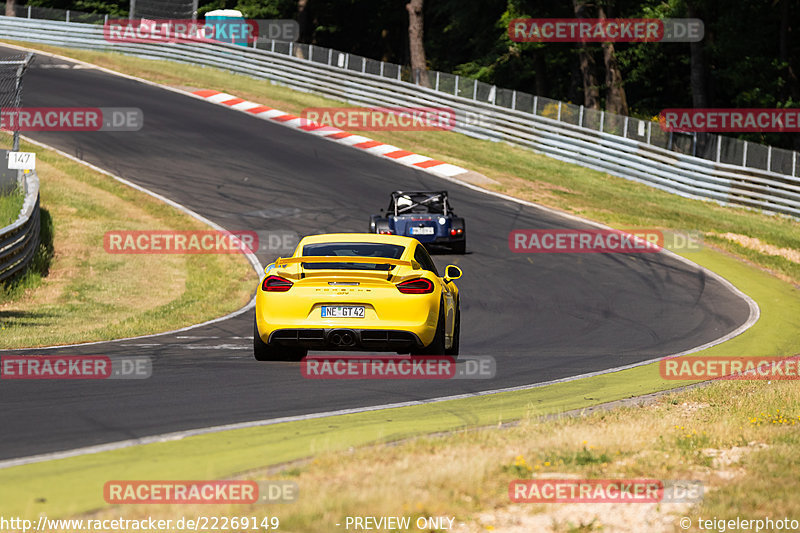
[{"x": 342, "y": 338}]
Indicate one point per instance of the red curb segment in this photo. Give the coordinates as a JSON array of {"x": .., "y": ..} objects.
[
  {"x": 259, "y": 109},
  {"x": 399, "y": 153},
  {"x": 368, "y": 144},
  {"x": 332, "y": 133},
  {"x": 427, "y": 164}
]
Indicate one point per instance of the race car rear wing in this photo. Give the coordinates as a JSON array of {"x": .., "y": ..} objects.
[{"x": 284, "y": 261}]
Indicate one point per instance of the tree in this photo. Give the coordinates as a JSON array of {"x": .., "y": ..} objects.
[
  {"x": 303, "y": 22},
  {"x": 415, "y": 43},
  {"x": 698, "y": 71},
  {"x": 616, "y": 101},
  {"x": 11, "y": 8},
  {"x": 591, "y": 91}
]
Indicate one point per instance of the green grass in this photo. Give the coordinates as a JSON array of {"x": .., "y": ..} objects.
[{"x": 10, "y": 206}]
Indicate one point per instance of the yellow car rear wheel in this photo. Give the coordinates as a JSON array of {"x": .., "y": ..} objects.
[{"x": 436, "y": 347}]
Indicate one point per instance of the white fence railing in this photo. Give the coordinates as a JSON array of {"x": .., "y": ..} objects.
[{"x": 622, "y": 146}]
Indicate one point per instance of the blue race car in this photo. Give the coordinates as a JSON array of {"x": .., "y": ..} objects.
[{"x": 425, "y": 215}]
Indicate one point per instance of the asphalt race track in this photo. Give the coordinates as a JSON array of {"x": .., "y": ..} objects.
[{"x": 542, "y": 316}]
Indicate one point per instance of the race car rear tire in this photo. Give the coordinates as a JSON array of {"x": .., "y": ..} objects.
[
  {"x": 264, "y": 352},
  {"x": 459, "y": 247},
  {"x": 378, "y": 224}
]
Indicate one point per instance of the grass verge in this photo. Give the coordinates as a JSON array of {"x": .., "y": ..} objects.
[
  {"x": 93, "y": 295},
  {"x": 10, "y": 206}
]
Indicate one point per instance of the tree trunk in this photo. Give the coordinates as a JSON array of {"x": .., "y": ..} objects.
[
  {"x": 792, "y": 87},
  {"x": 415, "y": 43},
  {"x": 591, "y": 90},
  {"x": 542, "y": 87},
  {"x": 616, "y": 101},
  {"x": 11, "y": 8},
  {"x": 302, "y": 20},
  {"x": 698, "y": 75}
]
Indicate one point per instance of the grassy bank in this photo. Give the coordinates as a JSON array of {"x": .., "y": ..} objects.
[
  {"x": 93, "y": 295},
  {"x": 10, "y": 206}
]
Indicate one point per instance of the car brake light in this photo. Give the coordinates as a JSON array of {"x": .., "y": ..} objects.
[
  {"x": 276, "y": 284},
  {"x": 386, "y": 232},
  {"x": 415, "y": 286},
  {"x": 455, "y": 232}
]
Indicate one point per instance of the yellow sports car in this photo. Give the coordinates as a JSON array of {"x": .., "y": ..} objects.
[{"x": 356, "y": 291}]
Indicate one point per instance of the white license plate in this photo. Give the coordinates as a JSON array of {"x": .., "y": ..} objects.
[
  {"x": 342, "y": 311},
  {"x": 426, "y": 230}
]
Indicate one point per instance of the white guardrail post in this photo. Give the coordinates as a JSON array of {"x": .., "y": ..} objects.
[{"x": 584, "y": 145}]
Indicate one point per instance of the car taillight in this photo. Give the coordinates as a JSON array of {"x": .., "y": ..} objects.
[
  {"x": 455, "y": 232},
  {"x": 386, "y": 232},
  {"x": 415, "y": 286},
  {"x": 276, "y": 284}
]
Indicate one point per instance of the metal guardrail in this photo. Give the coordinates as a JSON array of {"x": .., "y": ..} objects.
[
  {"x": 622, "y": 146},
  {"x": 717, "y": 148},
  {"x": 19, "y": 241}
]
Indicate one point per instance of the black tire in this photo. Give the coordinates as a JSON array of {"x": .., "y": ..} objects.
[
  {"x": 378, "y": 224},
  {"x": 453, "y": 350},
  {"x": 436, "y": 347},
  {"x": 264, "y": 352},
  {"x": 459, "y": 247}
]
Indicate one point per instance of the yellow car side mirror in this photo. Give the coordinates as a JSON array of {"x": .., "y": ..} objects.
[{"x": 452, "y": 272}]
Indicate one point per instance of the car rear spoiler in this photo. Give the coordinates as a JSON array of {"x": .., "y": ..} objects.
[{"x": 284, "y": 261}]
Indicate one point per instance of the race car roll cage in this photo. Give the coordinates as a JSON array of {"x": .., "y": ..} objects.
[{"x": 431, "y": 197}]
